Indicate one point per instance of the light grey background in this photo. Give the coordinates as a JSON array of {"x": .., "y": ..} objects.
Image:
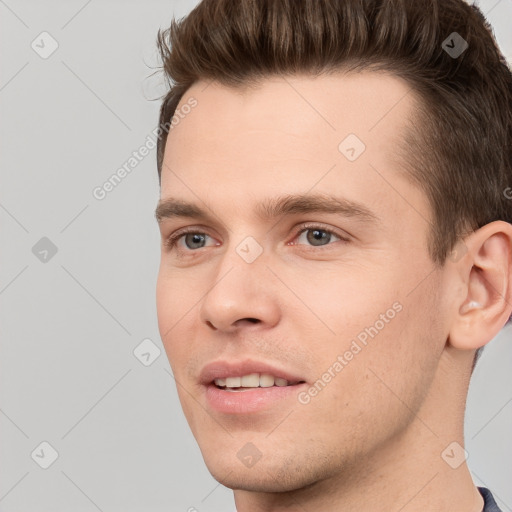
[{"x": 70, "y": 325}]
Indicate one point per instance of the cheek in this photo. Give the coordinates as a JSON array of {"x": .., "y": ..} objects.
[
  {"x": 173, "y": 301},
  {"x": 364, "y": 401},
  {"x": 347, "y": 301},
  {"x": 381, "y": 335},
  {"x": 164, "y": 305},
  {"x": 177, "y": 292},
  {"x": 178, "y": 300}
]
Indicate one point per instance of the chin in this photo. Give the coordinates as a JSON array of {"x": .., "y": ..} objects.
[
  {"x": 258, "y": 479},
  {"x": 276, "y": 474}
]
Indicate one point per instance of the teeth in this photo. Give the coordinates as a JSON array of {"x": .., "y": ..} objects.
[
  {"x": 233, "y": 382},
  {"x": 250, "y": 381},
  {"x": 266, "y": 381},
  {"x": 253, "y": 380}
]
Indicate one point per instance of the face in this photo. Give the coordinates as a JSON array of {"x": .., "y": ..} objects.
[{"x": 298, "y": 261}]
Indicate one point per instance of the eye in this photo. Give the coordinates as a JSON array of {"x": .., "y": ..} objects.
[
  {"x": 317, "y": 236},
  {"x": 194, "y": 240},
  {"x": 187, "y": 240}
]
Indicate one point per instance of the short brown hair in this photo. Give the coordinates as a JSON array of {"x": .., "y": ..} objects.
[{"x": 458, "y": 147}]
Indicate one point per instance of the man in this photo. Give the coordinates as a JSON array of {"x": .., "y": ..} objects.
[{"x": 336, "y": 245}]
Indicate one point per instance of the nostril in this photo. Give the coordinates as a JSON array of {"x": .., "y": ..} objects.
[{"x": 209, "y": 324}]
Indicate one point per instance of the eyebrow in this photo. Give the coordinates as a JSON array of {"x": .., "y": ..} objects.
[{"x": 273, "y": 208}]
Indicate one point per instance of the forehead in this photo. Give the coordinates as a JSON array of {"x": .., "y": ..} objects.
[
  {"x": 332, "y": 133},
  {"x": 368, "y": 103}
]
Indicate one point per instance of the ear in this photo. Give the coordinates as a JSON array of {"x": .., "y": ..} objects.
[{"x": 484, "y": 275}]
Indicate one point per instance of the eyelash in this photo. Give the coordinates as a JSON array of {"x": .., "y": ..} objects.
[{"x": 172, "y": 240}]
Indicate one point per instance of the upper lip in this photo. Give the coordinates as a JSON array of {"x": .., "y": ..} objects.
[{"x": 222, "y": 369}]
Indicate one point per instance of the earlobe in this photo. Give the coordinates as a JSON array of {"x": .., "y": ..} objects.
[{"x": 486, "y": 275}]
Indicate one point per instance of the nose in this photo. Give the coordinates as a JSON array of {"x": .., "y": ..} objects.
[{"x": 241, "y": 294}]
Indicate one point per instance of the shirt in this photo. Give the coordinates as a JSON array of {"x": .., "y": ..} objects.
[{"x": 489, "y": 503}]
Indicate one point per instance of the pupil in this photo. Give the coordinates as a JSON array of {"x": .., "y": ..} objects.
[
  {"x": 193, "y": 238},
  {"x": 318, "y": 235}
]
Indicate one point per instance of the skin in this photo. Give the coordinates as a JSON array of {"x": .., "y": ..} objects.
[{"x": 372, "y": 438}]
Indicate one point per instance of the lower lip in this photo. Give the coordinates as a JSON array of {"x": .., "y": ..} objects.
[{"x": 252, "y": 400}]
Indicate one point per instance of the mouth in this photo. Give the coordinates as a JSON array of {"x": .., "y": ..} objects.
[
  {"x": 253, "y": 381},
  {"x": 242, "y": 387}
]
